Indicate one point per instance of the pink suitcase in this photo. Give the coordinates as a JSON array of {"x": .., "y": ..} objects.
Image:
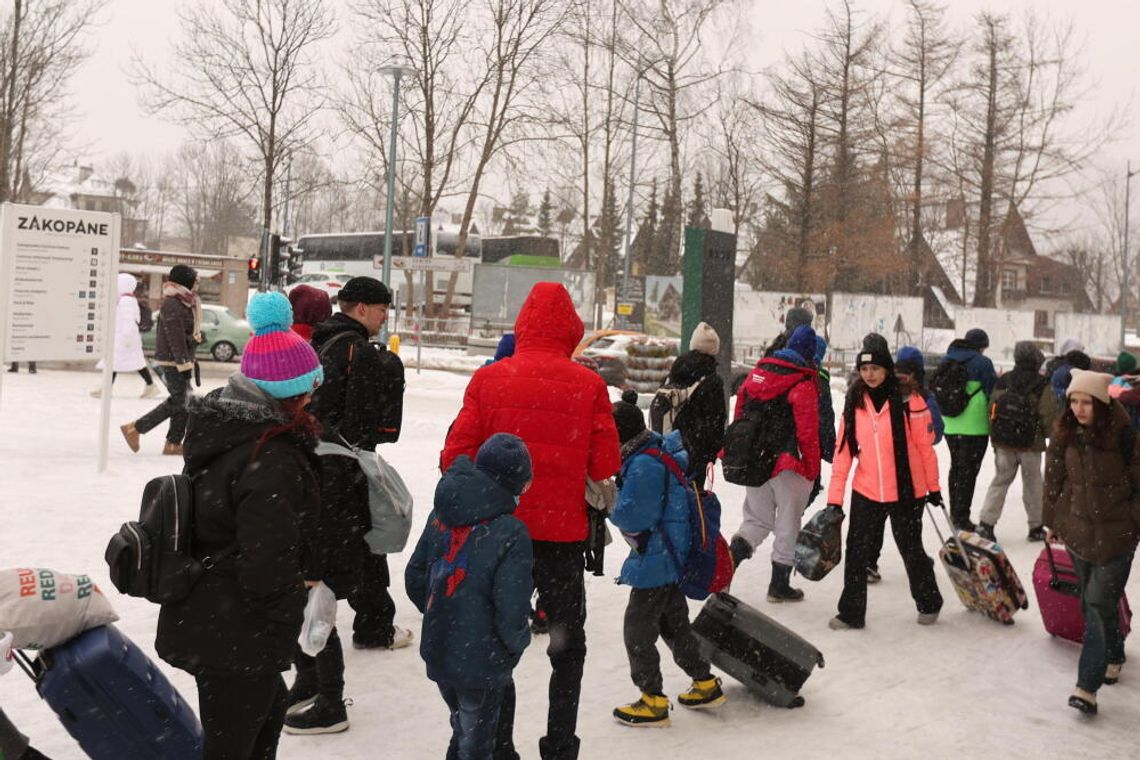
[{"x": 1058, "y": 595}]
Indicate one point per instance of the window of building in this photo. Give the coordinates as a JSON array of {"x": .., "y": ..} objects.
[
  {"x": 1008, "y": 280},
  {"x": 1046, "y": 285},
  {"x": 1040, "y": 318}
]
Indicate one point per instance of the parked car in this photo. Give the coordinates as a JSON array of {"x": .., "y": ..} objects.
[
  {"x": 224, "y": 334},
  {"x": 330, "y": 282}
]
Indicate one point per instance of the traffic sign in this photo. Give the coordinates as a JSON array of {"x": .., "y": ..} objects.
[
  {"x": 432, "y": 264},
  {"x": 423, "y": 231}
]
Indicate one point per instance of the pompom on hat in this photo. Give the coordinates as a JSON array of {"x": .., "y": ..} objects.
[{"x": 276, "y": 359}]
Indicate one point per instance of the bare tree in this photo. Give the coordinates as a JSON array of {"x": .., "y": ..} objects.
[
  {"x": 245, "y": 69},
  {"x": 213, "y": 197},
  {"x": 734, "y": 144}
]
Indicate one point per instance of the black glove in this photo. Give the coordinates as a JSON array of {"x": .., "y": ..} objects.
[
  {"x": 934, "y": 499},
  {"x": 838, "y": 507},
  {"x": 197, "y": 374},
  {"x": 187, "y": 375}
]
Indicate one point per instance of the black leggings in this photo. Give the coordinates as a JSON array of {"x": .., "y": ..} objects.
[
  {"x": 144, "y": 373},
  {"x": 241, "y": 716}
]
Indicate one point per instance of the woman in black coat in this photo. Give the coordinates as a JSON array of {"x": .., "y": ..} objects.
[{"x": 249, "y": 450}]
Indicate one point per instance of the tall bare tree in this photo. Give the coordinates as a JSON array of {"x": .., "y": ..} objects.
[
  {"x": 246, "y": 69},
  {"x": 213, "y": 197}
]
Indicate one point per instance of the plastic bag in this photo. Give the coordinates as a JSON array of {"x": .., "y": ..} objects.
[
  {"x": 320, "y": 619},
  {"x": 43, "y": 608}
]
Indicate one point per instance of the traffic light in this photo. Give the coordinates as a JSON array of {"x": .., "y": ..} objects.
[
  {"x": 296, "y": 261},
  {"x": 254, "y": 270},
  {"x": 278, "y": 261}
]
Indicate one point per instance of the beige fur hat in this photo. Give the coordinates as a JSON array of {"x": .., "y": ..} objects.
[
  {"x": 1094, "y": 384},
  {"x": 705, "y": 340}
]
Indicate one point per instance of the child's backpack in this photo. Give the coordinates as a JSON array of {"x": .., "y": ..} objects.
[
  {"x": 146, "y": 316},
  {"x": 450, "y": 569},
  {"x": 667, "y": 405},
  {"x": 1013, "y": 417},
  {"x": 753, "y": 443},
  {"x": 154, "y": 557},
  {"x": 708, "y": 567},
  {"x": 949, "y": 387}
]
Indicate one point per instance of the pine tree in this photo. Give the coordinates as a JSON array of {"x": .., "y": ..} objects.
[
  {"x": 544, "y": 213},
  {"x": 697, "y": 215},
  {"x": 609, "y": 235},
  {"x": 664, "y": 259},
  {"x": 644, "y": 244},
  {"x": 517, "y": 218}
]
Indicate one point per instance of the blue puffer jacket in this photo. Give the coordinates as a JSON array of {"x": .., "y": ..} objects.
[
  {"x": 652, "y": 500},
  {"x": 475, "y": 637}
]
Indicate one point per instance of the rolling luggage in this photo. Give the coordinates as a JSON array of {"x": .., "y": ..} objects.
[
  {"x": 769, "y": 659},
  {"x": 1058, "y": 595},
  {"x": 113, "y": 700},
  {"x": 982, "y": 575}
]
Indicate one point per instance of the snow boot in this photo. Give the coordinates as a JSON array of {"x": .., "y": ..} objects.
[
  {"x": 1082, "y": 700},
  {"x": 302, "y": 694},
  {"x": 1036, "y": 535},
  {"x": 650, "y": 711},
  {"x": 172, "y": 449},
  {"x": 927, "y": 618},
  {"x": 873, "y": 574},
  {"x": 740, "y": 550},
  {"x": 986, "y": 531},
  {"x": 401, "y": 637},
  {"x": 132, "y": 435},
  {"x": 839, "y": 624},
  {"x": 703, "y": 694},
  {"x": 779, "y": 590},
  {"x": 151, "y": 391},
  {"x": 325, "y": 716},
  {"x": 1112, "y": 673}
]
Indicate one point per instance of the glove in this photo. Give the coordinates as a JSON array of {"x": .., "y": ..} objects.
[
  {"x": 187, "y": 375},
  {"x": 837, "y": 507},
  {"x": 934, "y": 499}
]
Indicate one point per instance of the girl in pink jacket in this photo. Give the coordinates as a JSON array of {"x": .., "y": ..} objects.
[{"x": 897, "y": 470}]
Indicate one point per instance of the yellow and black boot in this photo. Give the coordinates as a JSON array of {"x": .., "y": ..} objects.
[
  {"x": 651, "y": 711},
  {"x": 703, "y": 694}
]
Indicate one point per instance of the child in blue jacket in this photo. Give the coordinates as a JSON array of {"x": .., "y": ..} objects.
[
  {"x": 652, "y": 513},
  {"x": 471, "y": 577}
]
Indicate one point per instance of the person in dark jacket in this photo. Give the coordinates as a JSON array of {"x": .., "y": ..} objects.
[
  {"x": 797, "y": 316},
  {"x": 968, "y": 434},
  {"x": 1092, "y": 504},
  {"x": 652, "y": 511},
  {"x": 179, "y": 334},
  {"x": 360, "y": 404},
  {"x": 692, "y": 400},
  {"x": 249, "y": 448},
  {"x": 826, "y": 406},
  {"x": 471, "y": 577},
  {"x": 1071, "y": 360},
  {"x": 505, "y": 349},
  {"x": 1026, "y": 381}
]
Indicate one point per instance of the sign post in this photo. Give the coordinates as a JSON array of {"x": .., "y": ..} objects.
[{"x": 58, "y": 282}]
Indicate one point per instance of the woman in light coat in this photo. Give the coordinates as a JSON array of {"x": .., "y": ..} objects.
[{"x": 127, "y": 349}]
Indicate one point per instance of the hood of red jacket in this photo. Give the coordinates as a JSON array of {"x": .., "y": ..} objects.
[
  {"x": 774, "y": 377},
  {"x": 548, "y": 321}
]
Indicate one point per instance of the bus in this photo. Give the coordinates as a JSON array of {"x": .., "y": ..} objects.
[{"x": 351, "y": 254}]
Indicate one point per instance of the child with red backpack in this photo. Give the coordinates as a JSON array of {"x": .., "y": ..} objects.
[
  {"x": 652, "y": 512},
  {"x": 471, "y": 577}
]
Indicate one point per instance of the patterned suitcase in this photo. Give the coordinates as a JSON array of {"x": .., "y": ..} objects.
[
  {"x": 1058, "y": 595},
  {"x": 982, "y": 575},
  {"x": 113, "y": 700}
]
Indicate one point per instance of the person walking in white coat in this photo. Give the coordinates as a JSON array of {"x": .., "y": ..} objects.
[{"x": 128, "y": 351}]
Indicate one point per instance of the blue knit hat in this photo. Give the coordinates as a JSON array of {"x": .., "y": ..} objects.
[
  {"x": 978, "y": 338},
  {"x": 803, "y": 342},
  {"x": 276, "y": 359},
  {"x": 505, "y": 459},
  {"x": 911, "y": 362}
]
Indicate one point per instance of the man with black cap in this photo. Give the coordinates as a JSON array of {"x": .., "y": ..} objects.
[
  {"x": 967, "y": 431},
  {"x": 359, "y": 404},
  {"x": 179, "y": 332}
]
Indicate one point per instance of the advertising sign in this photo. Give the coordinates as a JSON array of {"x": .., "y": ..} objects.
[{"x": 629, "y": 310}]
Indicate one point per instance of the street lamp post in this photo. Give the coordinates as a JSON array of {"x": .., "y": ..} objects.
[
  {"x": 396, "y": 72},
  {"x": 632, "y": 180},
  {"x": 1128, "y": 174}
]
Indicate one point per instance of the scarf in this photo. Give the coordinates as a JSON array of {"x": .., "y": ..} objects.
[
  {"x": 190, "y": 300},
  {"x": 890, "y": 393},
  {"x": 630, "y": 447}
]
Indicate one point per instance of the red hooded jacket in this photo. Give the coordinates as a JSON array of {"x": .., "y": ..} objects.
[
  {"x": 559, "y": 408},
  {"x": 773, "y": 377}
]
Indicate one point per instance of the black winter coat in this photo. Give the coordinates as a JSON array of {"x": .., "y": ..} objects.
[
  {"x": 703, "y": 418},
  {"x": 244, "y": 616},
  {"x": 174, "y": 343},
  {"x": 360, "y": 399}
]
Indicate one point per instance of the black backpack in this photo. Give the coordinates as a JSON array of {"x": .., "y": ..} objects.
[
  {"x": 390, "y": 388},
  {"x": 949, "y": 386},
  {"x": 1013, "y": 417},
  {"x": 753, "y": 443},
  {"x": 146, "y": 317},
  {"x": 154, "y": 557}
]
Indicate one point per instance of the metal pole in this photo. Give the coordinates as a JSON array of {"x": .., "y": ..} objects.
[
  {"x": 288, "y": 194},
  {"x": 390, "y": 211},
  {"x": 1124, "y": 290},
  {"x": 632, "y": 170}
]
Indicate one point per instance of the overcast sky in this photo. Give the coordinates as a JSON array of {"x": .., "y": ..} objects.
[{"x": 111, "y": 121}]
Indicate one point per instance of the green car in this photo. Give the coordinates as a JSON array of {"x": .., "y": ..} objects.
[{"x": 224, "y": 334}]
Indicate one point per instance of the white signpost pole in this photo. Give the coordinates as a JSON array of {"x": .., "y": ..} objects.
[{"x": 111, "y": 298}]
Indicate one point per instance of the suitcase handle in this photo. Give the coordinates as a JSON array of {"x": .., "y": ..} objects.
[
  {"x": 953, "y": 535},
  {"x": 26, "y": 665}
]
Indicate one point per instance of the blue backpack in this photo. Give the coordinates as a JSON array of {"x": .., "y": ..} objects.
[{"x": 708, "y": 567}]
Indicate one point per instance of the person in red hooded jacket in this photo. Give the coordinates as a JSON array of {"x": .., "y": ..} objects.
[{"x": 562, "y": 411}]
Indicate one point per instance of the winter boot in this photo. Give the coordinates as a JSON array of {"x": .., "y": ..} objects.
[
  {"x": 927, "y": 618},
  {"x": 839, "y": 624},
  {"x": 873, "y": 574},
  {"x": 1036, "y": 535},
  {"x": 401, "y": 637},
  {"x": 326, "y": 716},
  {"x": 779, "y": 590},
  {"x": 986, "y": 531},
  {"x": 151, "y": 391},
  {"x": 170, "y": 448},
  {"x": 650, "y": 711},
  {"x": 1082, "y": 700},
  {"x": 740, "y": 550},
  {"x": 302, "y": 693},
  {"x": 132, "y": 435},
  {"x": 703, "y": 694},
  {"x": 1112, "y": 673}
]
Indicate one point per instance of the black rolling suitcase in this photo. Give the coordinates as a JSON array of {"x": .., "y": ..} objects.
[{"x": 770, "y": 660}]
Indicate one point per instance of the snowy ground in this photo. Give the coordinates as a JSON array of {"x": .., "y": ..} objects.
[{"x": 962, "y": 688}]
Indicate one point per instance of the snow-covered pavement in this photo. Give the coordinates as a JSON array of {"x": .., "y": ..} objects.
[{"x": 966, "y": 687}]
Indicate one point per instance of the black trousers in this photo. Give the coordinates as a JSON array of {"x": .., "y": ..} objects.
[
  {"x": 173, "y": 407},
  {"x": 241, "y": 716},
  {"x": 374, "y": 607},
  {"x": 865, "y": 535},
  {"x": 558, "y": 569},
  {"x": 654, "y": 613},
  {"x": 12, "y": 743},
  {"x": 325, "y": 671},
  {"x": 144, "y": 373},
  {"x": 966, "y": 455}
]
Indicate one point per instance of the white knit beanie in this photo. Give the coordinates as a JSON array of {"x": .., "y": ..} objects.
[
  {"x": 705, "y": 340},
  {"x": 1094, "y": 384}
]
